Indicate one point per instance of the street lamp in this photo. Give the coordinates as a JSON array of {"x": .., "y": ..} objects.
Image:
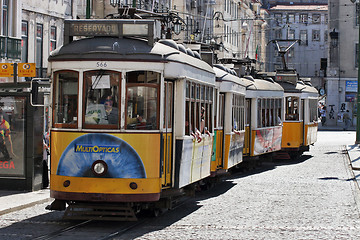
[
  {"x": 114, "y": 3},
  {"x": 357, "y": 141},
  {"x": 177, "y": 27}
]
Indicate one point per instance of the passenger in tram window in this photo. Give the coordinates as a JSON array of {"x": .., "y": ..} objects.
[
  {"x": 112, "y": 112},
  {"x": 202, "y": 117},
  {"x": 141, "y": 122}
]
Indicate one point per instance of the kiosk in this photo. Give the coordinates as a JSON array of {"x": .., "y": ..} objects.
[{"x": 22, "y": 128}]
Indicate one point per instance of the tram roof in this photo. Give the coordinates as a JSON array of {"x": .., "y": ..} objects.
[
  {"x": 300, "y": 87},
  {"x": 257, "y": 84},
  {"x": 222, "y": 75},
  {"x": 124, "y": 49}
]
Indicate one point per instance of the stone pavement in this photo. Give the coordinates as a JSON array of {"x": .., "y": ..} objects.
[
  {"x": 16, "y": 200},
  {"x": 12, "y": 201}
]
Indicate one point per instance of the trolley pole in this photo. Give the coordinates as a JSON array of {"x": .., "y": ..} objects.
[
  {"x": 358, "y": 80},
  {"x": 88, "y": 9}
]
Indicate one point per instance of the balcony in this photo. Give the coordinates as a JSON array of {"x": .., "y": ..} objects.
[{"x": 10, "y": 47}]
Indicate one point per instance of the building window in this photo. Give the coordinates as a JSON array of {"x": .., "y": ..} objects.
[
  {"x": 356, "y": 55},
  {"x": 53, "y": 38},
  {"x": 291, "y": 53},
  {"x": 278, "y": 18},
  {"x": 278, "y": 34},
  {"x": 316, "y": 18},
  {"x": 326, "y": 36},
  {"x": 304, "y": 18},
  {"x": 291, "y": 34},
  {"x": 303, "y": 37},
  {"x": 24, "y": 41},
  {"x": 291, "y": 18},
  {"x": 316, "y": 35},
  {"x": 5, "y": 18},
  {"x": 39, "y": 49},
  {"x": 357, "y": 14}
]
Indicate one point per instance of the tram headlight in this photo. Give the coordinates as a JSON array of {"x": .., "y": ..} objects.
[{"x": 99, "y": 168}]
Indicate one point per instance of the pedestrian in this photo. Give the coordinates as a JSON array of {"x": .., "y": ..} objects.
[
  {"x": 347, "y": 120},
  {"x": 323, "y": 116}
]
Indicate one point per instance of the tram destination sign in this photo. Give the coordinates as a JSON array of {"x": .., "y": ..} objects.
[
  {"x": 110, "y": 28},
  {"x": 94, "y": 29}
]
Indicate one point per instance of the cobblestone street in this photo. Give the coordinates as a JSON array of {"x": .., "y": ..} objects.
[{"x": 312, "y": 198}]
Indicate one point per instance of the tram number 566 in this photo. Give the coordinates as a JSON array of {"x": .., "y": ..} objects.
[{"x": 101, "y": 64}]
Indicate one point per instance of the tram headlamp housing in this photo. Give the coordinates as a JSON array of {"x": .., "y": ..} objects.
[{"x": 99, "y": 168}]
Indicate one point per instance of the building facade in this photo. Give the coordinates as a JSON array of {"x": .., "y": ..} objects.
[
  {"x": 42, "y": 30},
  {"x": 341, "y": 87},
  {"x": 10, "y": 33},
  {"x": 307, "y": 24}
]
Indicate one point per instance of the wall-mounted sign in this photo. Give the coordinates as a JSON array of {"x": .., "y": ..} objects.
[
  {"x": 26, "y": 70},
  {"x": 351, "y": 86},
  {"x": 6, "y": 69}
]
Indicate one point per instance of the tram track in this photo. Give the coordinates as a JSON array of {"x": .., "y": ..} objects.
[
  {"x": 109, "y": 233},
  {"x": 61, "y": 231}
]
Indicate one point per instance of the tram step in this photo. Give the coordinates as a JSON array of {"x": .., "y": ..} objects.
[
  {"x": 84, "y": 211},
  {"x": 282, "y": 156}
]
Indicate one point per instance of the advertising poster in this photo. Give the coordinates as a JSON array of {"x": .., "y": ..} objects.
[
  {"x": 267, "y": 140},
  {"x": 12, "y": 126}
]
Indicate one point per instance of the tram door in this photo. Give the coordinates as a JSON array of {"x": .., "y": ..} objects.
[
  {"x": 168, "y": 133},
  {"x": 303, "y": 121},
  {"x": 220, "y": 133}
]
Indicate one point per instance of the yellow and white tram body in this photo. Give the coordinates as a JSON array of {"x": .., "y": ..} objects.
[
  {"x": 143, "y": 145},
  {"x": 230, "y": 127},
  {"x": 300, "y": 117},
  {"x": 263, "y": 130}
]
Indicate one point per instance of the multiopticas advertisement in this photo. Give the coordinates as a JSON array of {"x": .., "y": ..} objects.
[{"x": 125, "y": 155}]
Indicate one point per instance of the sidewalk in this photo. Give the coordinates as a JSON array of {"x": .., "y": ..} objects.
[
  {"x": 12, "y": 201},
  {"x": 354, "y": 156},
  {"x": 335, "y": 128}
]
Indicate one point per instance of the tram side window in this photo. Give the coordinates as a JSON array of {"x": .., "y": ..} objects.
[
  {"x": 221, "y": 110},
  {"x": 66, "y": 98},
  {"x": 247, "y": 114},
  {"x": 278, "y": 104},
  {"x": 142, "y": 105},
  {"x": 313, "y": 106},
  {"x": 238, "y": 111},
  {"x": 292, "y": 108},
  {"x": 198, "y": 108},
  {"x": 101, "y": 98},
  {"x": 269, "y": 112}
]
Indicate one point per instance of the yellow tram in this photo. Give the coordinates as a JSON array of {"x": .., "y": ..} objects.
[
  {"x": 264, "y": 101},
  {"x": 300, "y": 116},
  {"x": 119, "y": 132}
]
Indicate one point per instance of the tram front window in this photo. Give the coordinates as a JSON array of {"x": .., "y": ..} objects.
[
  {"x": 66, "y": 99},
  {"x": 142, "y": 111},
  {"x": 101, "y": 98}
]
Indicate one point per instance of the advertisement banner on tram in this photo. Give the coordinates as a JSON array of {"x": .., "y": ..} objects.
[{"x": 125, "y": 155}]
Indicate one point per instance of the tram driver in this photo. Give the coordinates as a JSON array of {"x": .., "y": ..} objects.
[{"x": 111, "y": 112}]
